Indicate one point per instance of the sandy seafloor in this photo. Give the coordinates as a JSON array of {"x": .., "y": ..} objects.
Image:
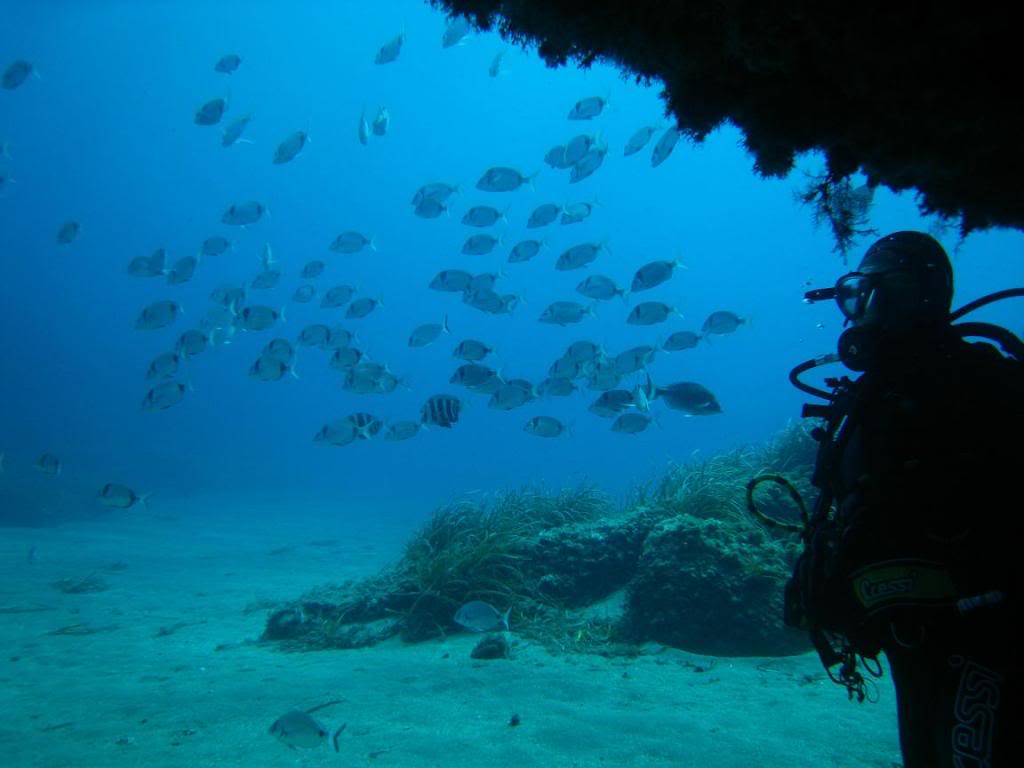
[{"x": 131, "y": 696}]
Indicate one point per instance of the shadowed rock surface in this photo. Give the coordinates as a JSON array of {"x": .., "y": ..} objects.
[{"x": 917, "y": 96}]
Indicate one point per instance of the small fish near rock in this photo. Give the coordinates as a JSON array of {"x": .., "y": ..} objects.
[{"x": 478, "y": 616}]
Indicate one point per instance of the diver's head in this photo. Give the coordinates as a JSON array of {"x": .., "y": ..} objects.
[
  {"x": 903, "y": 284},
  {"x": 897, "y": 302}
]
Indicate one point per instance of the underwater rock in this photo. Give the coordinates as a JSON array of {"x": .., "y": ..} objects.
[
  {"x": 699, "y": 587},
  {"x": 492, "y": 647},
  {"x": 793, "y": 77}
]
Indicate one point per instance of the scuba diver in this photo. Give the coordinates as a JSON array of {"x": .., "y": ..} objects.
[{"x": 911, "y": 549}]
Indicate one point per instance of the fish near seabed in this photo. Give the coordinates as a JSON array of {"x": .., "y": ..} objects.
[
  {"x": 478, "y": 616},
  {"x": 300, "y": 730},
  {"x": 120, "y": 496}
]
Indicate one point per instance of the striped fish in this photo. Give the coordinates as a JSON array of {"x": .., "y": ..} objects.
[
  {"x": 365, "y": 425},
  {"x": 442, "y": 410}
]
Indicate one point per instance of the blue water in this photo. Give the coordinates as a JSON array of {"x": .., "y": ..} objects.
[{"x": 105, "y": 136}]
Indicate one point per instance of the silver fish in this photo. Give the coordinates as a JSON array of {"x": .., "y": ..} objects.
[
  {"x": 653, "y": 274},
  {"x": 366, "y": 425},
  {"x": 148, "y": 266},
  {"x": 471, "y": 350},
  {"x": 266, "y": 279},
  {"x": 578, "y": 256},
  {"x": 524, "y": 251},
  {"x": 164, "y": 396},
  {"x": 351, "y": 242},
  {"x": 338, "y": 296},
  {"x": 258, "y": 317},
  {"x": 390, "y": 50},
  {"x": 635, "y": 359},
  {"x": 512, "y": 394},
  {"x": 574, "y": 213},
  {"x": 600, "y": 287},
  {"x": 289, "y": 149},
  {"x": 243, "y": 214},
  {"x": 722, "y": 322},
  {"x": 477, "y": 616},
  {"x": 584, "y": 351},
  {"x": 316, "y": 335},
  {"x": 639, "y": 140},
  {"x": 588, "y": 108},
  {"x": 650, "y": 313},
  {"x": 474, "y": 376},
  {"x": 381, "y": 122},
  {"x": 681, "y": 340},
  {"x": 158, "y": 315},
  {"x": 16, "y": 74},
  {"x": 120, "y": 496},
  {"x": 456, "y": 30},
  {"x": 163, "y": 366},
  {"x": 68, "y": 232},
  {"x": 427, "y": 333},
  {"x": 665, "y": 145},
  {"x": 214, "y": 246},
  {"x": 182, "y": 270},
  {"x": 495, "y": 67},
  {"x": 363, "y": 129},
  {"x": 227, "y": 63},
  {"x": 543, "y": 215},
  {"x": 556, "y": 386},
  {"x": 300, "y": 730},
  {"x": 211, "y": 112},
  {"x": 337, "y": 433},
  {"x": 345, "y": 358},
  {"x": 577, "y": 147},
  {"x": 429, "y": 208},
  {"x": 565, "y": 368},
  {"x": 565, "y": 312},
  {"x": 267, "y": 368},
  {"x": 312, "y": 269},
  {"x": 340, "y": 337},
  {"x": 48, "y": 464},
  {"x": 402, "y": 430},
  {"x": 451, "y": 280},
  {"x": 279, "y": 349},
  {"x": 482, "y": 216},
  {"x": 304, "y": 294},
  {"x": 502, "y": 179},
  {"x": 631, "y": 423},
  {"x": 555, "y": 157},
  {"x": 437, "y": 190},
  {"x": 545, "y": 426},
  {"x": 233, "y": 131},
  {"x": 687, "y": 396},
  {"x": 191, "y": 343},
  {"x": 360, "y": 308},
  {"x": 487, "y": 300},
  {"x": 587, "y": 164},
  {"x": 441, "y": 410},
  {"x": 613, "y": 402},
  {"x": 479, "y": 245}
]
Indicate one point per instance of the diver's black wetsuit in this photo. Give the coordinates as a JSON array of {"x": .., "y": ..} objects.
[{"x": 924, "y": 472}]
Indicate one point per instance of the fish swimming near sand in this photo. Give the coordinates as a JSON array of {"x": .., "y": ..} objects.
[
  {"x": 478, "y": 616},
  {"x": 300, "y": 730}
]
